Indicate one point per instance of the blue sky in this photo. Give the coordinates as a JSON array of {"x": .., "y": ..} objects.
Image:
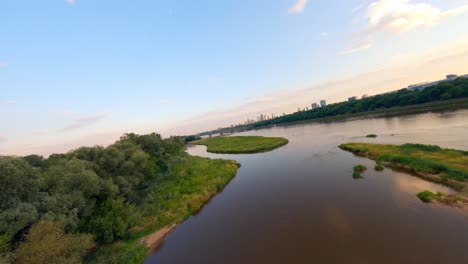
[{"x": 85, "y": 71}]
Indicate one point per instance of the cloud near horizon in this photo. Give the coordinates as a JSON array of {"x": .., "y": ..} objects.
[
  {"x": 85, "y": 121},
  {"x": 298, "y": 7}
]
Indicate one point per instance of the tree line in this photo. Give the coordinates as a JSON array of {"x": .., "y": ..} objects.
[
  {"x": 56, "y": 209},
  {"x": 457, "y": 88}
]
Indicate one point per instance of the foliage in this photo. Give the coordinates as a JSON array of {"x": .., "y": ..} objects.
[
  {"x": 357, "y": 175},
  {"x": 121, "y": 192},
  {"x": 242, "y": 144},
  {"x": 359, "y": 168},
  {"x": 427, "y": 196},
  {"x": 446, "y": 166},
  {"x": 444, "y": 91},
  {"x": 379, "y": 167},
  {"x": 47, "y": 243},
  {"x": 371, "y": 136}
]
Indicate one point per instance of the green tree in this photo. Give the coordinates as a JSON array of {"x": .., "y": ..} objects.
[{"x": 46, "y": 243}]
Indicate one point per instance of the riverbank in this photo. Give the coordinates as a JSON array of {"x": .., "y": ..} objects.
[
  {"x": 194, "y": 182},
  {"x": 444, "y": 166},
  {"x": 440, "y": 106},
  {"x": 241, "y": 144}
]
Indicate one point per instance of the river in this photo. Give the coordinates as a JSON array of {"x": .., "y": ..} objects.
[{"x": 300, "y": 204}]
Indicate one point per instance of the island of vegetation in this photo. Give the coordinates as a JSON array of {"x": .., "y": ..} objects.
[
  {"x": 444, "y": 96},
  {"x": 241, "y": 144},
  {"x": 102, "y": 204},
  {"x": 445, "y": 166}
]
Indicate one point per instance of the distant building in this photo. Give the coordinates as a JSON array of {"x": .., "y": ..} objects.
[
  {"x": 315, "y": 106},
  {"x": 422, "y": 86},
  {"x": 364, "y": 96},
  {"x": 354, "y": 98},
  {"x": 452, "y": 76},
  {"x": 323, "y": 103}
]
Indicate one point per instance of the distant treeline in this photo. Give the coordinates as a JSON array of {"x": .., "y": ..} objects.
[
  {"x": 53, "y": 210},
  {"x": 444, "y": 91}
]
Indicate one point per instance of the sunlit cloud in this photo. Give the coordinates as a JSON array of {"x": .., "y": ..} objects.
[
  {"x": 360, "y": 47},
  {"x": 71, "y": 2},
  {"x": 85, "y": 121},
  {"x": 398, "y": 16},
  {"x": 298, "y": 7}
]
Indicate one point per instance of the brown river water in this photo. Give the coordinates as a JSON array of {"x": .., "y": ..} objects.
[{"x": 300, "y": 204}]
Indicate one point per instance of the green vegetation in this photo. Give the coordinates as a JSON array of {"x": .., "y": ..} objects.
[
  {"x": 446, "y": 166},
  {"x": 357, "y": 175},
  {"x": 359, "y": 168},
  {"x": 371, "y": 136},
  {"x": 245, "y": 144},
  {"x": 452, "y": 200},
  {"x": 103, "y": 199},
  {"x": 379, "y": 167},
  {"x": 403, "y": 98}
]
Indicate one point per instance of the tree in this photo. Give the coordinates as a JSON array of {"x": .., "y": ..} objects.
[{"x": 46, "y": 243}]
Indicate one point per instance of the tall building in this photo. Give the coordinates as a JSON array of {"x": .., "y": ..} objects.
[
  {"x": 315, "y": 106},
  {"x": 323, "y": 103}
]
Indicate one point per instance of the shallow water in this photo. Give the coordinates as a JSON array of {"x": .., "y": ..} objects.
[{"x": 300, "y": 204}]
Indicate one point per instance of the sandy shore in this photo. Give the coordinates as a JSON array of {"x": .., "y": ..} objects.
[{"x": 154, "y": 240}]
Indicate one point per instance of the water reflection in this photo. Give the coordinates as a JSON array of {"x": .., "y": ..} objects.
[{"x": 299, "y": 203}]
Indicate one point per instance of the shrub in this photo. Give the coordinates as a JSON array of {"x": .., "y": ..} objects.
[
  {"x": 357, "y": 175},
  {"x": 379, "y": 167},
  {"x": 371, "y": 136},
  {"x": 360, "y": 168},
  {"x": 47, "y": 243}
]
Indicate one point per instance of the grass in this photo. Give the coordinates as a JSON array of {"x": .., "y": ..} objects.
[
  {"x": 445, "y": 166},
  {"x": 241, "y": 144},
  {"x": 371, "y": 136},
  {"x": 193, "y": 182},
  {"x": 427, "y": 197}
]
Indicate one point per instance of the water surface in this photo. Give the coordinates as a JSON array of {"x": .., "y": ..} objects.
[{"x": 300, "y": 204}]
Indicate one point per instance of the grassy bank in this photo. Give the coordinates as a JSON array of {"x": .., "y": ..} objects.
[
  {"x": 245, "y": 144},
  {"x": 194, "y": 181},
  {"x": 444, "y": 166}
]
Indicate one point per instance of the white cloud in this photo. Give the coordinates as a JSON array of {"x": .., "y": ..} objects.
[
  {"x": 85, "y": 121},
  {"x": 8, "y": 102},
  {"x": 397, "y": 16},
  {"x": 298, "y": 7},
  {"x": 164, "y": 101},
  {"x": 71, "y": 2},
  {"x": 324, "y": 34},
  {"x": 360, "y": 47}
]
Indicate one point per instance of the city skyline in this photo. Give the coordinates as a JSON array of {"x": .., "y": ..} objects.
[{"x": 188, "y": 67}]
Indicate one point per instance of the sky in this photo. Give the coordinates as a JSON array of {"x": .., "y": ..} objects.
[{"x": 83, "y": 72}]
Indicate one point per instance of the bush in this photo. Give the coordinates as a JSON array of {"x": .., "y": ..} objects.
[
  {"x": 47, "y": 243},
  {"x": 371, "y": 136},
  {"x": 360, "y": 168},
  {"x": 379, "y": 167},
  {"x": 357, "y": 175}
]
